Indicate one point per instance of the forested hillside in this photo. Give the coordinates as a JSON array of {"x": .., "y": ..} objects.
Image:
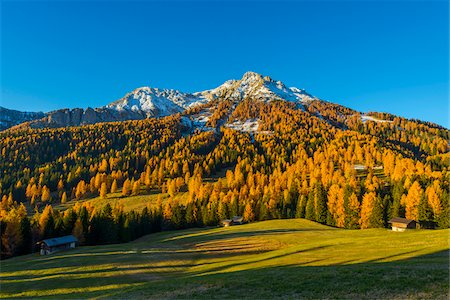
[{"x": 259, "y": 159}]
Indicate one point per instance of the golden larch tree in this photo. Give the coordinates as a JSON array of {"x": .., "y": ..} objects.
[{"x": 412, "y": 201}]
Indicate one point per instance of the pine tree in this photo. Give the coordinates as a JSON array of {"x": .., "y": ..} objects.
[
  {"x": 168, "y": 211},
  {"x": 47, "y": 222},
  {"x": 81, "y": 189},
  {"x": 366, "y": 210},
  {"x": 12, "y": 238},
  {"x": 443, "y": 220},
  {"x": 114, "y": 186},
  {"x": 301, "y": 206},
  {"x": 136, "y": 187},
  {"x": 425, "y": 217},
  {"x": 191, "y": 214},
  {"x": 310, "y": 211},
  {"x": 64, "y": 198},
  {"x": 45, "y": 194},
  {"x": 335, "y": 205},
  {"x": 352, "y": 209},
  {"x": 25, "y": 229},
  {"x": 320, "y": 202},
  {"x": 222, "y": 212},
  {"x": 177, "y": 219},
  {"x": 69, "y": 219},
  {"x": 103, "y": 190},
  {"x": 412, "y": 201},
  {"x": 249, "y": 215},
  {"x": 434, "y": 193},
  {"x": 126, "y": 187},
  {"x": 376, "y": 217},
  {"x": 60, "y": 187},
  {"x": 83, "y": 215},
  {"x": 397, "y": 193},
  {"x": 263, "y": 213}
]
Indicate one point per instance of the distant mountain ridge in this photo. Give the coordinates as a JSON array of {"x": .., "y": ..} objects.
[
  {"x": 10, "y": 117},
  {"x": 148, "y": 102}
]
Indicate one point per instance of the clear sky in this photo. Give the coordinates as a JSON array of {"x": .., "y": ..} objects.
[{"x": 368, "y": 55}]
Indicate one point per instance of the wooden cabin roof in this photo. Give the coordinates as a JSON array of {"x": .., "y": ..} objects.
[
  {"x": 401, "y": 221},
  {"x": 59, "y": 241},
  {"x": 238, "y": 219}
]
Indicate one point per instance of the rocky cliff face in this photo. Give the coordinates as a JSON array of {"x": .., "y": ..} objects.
[{"x": 79, "y": 116}]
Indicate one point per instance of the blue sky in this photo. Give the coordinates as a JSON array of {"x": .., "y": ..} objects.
[{"x": 368, "y": 55}]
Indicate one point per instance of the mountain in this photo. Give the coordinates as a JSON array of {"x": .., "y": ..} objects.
[
  {"x": 257, "y": 86},
  {"x": 154, "y": 102},
  {"x": 9, "y": 117},
  {"x": 250, "y": 147},
  {"x": 148, "y": 102}
]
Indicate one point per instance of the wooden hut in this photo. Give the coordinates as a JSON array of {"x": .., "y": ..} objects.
[
  {"x": 226, "y": 223},
  {"x": 53, "y": 245},
  {"x": 401, "y": 224},
  {"x": 236, "y": 220}
]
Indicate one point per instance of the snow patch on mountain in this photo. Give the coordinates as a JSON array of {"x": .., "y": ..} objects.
[
  {"x": 157, "y": 102},
  {"x": 250, "y": 125},
  {"x": 366, "y": 118},
  {"x": 200, "y": 119}
]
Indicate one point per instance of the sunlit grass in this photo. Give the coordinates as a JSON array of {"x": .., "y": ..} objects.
[
  {"x": 136, "y": 203},
  {"x": 68, "y": 291},
  {"x": 272, "y": 259}
]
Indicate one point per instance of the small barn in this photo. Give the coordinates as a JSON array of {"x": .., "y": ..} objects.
[
  {"x": 53, "y": 245},
  {"x": 401, "y": 224},
  {"x": 226, "y": 223},
  {"x": 236, "y": 220}
]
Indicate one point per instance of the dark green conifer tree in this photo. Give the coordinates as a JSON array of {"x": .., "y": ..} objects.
[{"x": 310, "y": 211}]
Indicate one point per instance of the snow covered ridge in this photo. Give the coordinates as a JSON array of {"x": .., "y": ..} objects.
[
  {"x": 154, "y": 102},
  {"x": 258, "y": 87}
]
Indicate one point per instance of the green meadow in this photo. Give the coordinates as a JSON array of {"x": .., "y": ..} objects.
[
  {"x": 272, "y": 259},
  {"x": 136, "y": 203}
]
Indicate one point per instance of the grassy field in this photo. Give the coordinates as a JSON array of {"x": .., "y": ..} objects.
[
  {"x": 272, "y": 259},
  {"x": 129, "y": 203}
]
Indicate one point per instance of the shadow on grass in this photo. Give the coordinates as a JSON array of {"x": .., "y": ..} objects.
[
  {"x": 201, "y": 234},
  {"x": 423, "y": 276}
]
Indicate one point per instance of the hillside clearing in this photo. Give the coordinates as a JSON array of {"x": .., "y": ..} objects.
[
  {"x": 271, "y": 259},
  {"x": 136, "y": 203}
]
